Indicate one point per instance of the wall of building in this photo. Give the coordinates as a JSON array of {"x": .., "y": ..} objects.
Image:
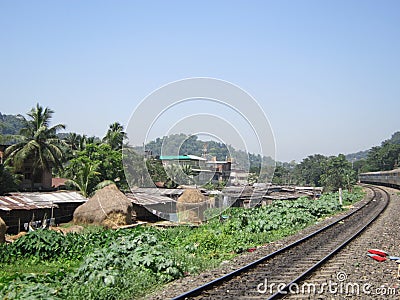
[{"x": 16, "y": 218}]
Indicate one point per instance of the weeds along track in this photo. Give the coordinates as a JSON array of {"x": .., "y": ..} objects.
[{"x": 272, "y": 275}]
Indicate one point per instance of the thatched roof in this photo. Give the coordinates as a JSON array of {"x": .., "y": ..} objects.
[
  {"x": 191, "y": 205},
  {"x": 192, "y": 196},
  {"x": 108, "y": 207},
  {"x": 3, "y": 229}
]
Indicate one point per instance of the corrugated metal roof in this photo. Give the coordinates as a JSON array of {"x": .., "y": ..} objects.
[
  {"x": 195, "y": 157},
  {"x": 149, "y": 199},
  {"x": 244, "y": 192},
  {"x": 157, "y": 191},
  {"x": 174, "y": 157},
  {"x": 28, "y": 201},
  {"x": 181, "y": 157}
]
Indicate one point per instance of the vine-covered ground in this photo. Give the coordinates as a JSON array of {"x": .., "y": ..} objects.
[{"x": 127, "y": 264}]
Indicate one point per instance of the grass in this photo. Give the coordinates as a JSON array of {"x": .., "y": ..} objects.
[
  {"x": 40, "y": 267},
  {"x": 87, "y": 228}
]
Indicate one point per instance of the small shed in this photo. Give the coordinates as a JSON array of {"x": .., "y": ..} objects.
[
  {"x": 152, "y": 205},
  {"x": 18, "y": 209},
  {"x": 243, "y": 196}
]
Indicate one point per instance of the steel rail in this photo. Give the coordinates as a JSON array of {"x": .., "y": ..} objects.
[
  {"x": 285, "y": 290},
  {"x": 218, "y": 281}
]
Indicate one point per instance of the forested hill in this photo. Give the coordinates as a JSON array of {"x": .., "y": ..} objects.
[
  {"x": 10, "y": 124},
  {"x": 381, "y": 158},
  {"x": 192, "y": 145},
  {"x": 357, "y": 156},
  {"x": 395, "y": 140}
]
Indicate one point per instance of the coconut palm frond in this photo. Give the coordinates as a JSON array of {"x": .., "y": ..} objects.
[{"x": 38, "y": 142}]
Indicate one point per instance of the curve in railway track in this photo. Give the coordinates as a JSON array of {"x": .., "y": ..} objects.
[{"x": 272, "y": 276}]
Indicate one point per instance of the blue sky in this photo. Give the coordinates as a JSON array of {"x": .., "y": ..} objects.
[{"x": 326, "y": 73}]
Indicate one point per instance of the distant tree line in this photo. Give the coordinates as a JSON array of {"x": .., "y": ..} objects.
[
  {"x": 381, "y": 158},
  {"x": 332, "y": 172},
  {"x": 90, "y": 162},
  {"x": 338, "y": 171}
]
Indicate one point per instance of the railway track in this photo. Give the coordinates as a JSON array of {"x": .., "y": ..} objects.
[{"x": 272, "y": 276}]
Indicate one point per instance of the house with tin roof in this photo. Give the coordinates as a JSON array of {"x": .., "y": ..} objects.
[{"x": 18, "y": 209}]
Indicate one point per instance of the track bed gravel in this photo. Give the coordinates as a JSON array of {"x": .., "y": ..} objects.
[{"x": 351, "y": 267}]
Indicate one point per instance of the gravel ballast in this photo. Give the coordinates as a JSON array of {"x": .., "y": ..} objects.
[
  {"x": 352, "y": 274},
  {"x": 185, "y": 284}
]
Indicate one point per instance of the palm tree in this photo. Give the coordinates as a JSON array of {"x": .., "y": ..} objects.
[
  {"x": 73, "y": 141},
  {"x": 85, "y": 179},
  {"x": 92, "y": 140},
  {"x": 82, "y": 142},
  {"x": 39, "y": 143},
  {"x": 115, "y": 136},
  {"x": 179, "y": 174}
]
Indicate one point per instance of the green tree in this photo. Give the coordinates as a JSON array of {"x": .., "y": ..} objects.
[
  {"x": 395, "y": 139},
  {"x": 383, "y": 158},
  {"x": 8, "y": 181},
  {"x": 86, "y": 179},
  {"x": 137, "y": 168},
  {"x": 310, "y": 170},
  {"x": 39, "y": 142},
  {"x": 115, "y": 136},
  {"x": 178, "y": 175},
  {"x": 281, "y": 175},
  {"x": 360, "y": 166},
  {"x": 10, "y": 125},
  {"x": 156, "y": 170},
  {"x": 108, "y": 164},
  {"x": 338, "y": 174},
  {"x": 389, "y": 156},
  {"x": 73, "y": 140}
]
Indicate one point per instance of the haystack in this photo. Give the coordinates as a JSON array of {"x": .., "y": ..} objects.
[
  {"x": 3, "y": 229},
  {"x": 191, "y": 205},
  {"x": 108, "y": 207}
]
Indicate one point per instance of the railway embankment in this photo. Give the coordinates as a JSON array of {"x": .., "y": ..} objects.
[
  {"x": 185, "y": 284},
  {"x": 351, "y": 273}
]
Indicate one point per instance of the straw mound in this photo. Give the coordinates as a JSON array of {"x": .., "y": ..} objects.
[
  {"x": 191, "y": 205},
  {"x": 13, "y": 238},
  {"x": 71, "y": 229},
  {"x": 108, "y": 207},
  {"x": 3, "y": 229},
  {"x": 192, "y": 196}
]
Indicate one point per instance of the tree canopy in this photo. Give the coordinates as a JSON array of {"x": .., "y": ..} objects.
[
  {"x": 38, "y": 142},
  {"x": 381, "y": 158}
]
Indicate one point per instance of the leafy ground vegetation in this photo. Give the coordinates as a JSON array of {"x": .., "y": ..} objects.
[{"x": 127, "y": 264}]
